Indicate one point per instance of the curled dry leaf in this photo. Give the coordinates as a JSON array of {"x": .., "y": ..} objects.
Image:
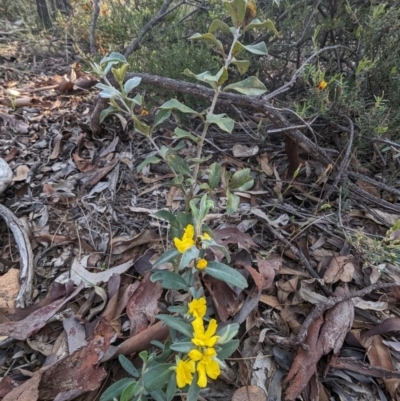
[
  {"x": 325, "y": 335},
  {"x": 338, "y": 322},
  {"x": 340, "y": 268},
  {"x": 244, "y": 151},
  {"x": 267, "y": 268}
]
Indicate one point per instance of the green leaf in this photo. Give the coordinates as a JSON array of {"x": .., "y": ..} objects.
[
  {"x": 116, "y": 389},
  {"x": 158, "y": 395},
  {"x": 171, "y": 388},
  {"x": 222, "y": 120},
  {"x": 232, "y": 203},
  {"x": 242, "y": 65},
  {"x": 149, "y": 160},
  {"x": 178, "y": 164},
  {"x": 166, "y": 257},
  {"x": 132, "y": 83},
  {"x": 128, "y": 366},
  {"x": 184, "y": 219},
  {"x": 237, "y": 48},
  {"x": 225, "y": 273},
  {"x": 141, "y": 127},
  {"x": 184, "y": 347},
  {"x": 236, "y": 10},
  {"x": 107, "y": 92},
  {"x": 129, "y": 392},
  {"x": 259, "y": 48},
  {"x": 256, "y": 23},
  {"x": 181, "y": 133},
  {"x": 170, "y": 280},
  {"x": 178, "y": 309},
  {"x": 157, "y": 376},
  {"x": 227, "y": 349},
  {"x": 166, "y": 215},
  {"x": 161, "y": 116},
  {"x": 251, "y": 86},
  {"x": 105, "y": 113},
  {"x": 213, "y": 80},
  {"x": 188, "y": 256},
  {"x": 119, "y": 73},
  {"x": 167, "y": 352},
  {"x": 240, "y": 178},
  {"x": 138, "y": 99},
  {"x": 210, "y": 38},
  {"x": 177, "y": 324},
  {"x": 220, "y": 26},
  {"x": 113, "y": 57},
  {"x": 214, "y": 176},
  {"x": 174, "y": 104},
  {"x": 194, "y": 389}
]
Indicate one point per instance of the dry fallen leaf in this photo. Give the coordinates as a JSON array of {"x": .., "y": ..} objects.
[
  {"x": 249, "y": 393},
  {"x": 340, "y": 268},
  {"x": 9, "y": 287}
]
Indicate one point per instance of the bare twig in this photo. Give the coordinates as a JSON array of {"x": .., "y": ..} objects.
[
  {"x": 162, "y": 13},
  {"x": 95, "y": 17},
  {"x": 343, "y": 165}
]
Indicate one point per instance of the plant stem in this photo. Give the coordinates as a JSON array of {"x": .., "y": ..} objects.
[{"x": 200, "y": 145}]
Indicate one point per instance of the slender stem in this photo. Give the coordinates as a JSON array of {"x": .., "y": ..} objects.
[{"x": 217, "y": 90}]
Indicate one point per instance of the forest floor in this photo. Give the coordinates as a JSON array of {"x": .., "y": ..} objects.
[{"x": 87, "y": 214}]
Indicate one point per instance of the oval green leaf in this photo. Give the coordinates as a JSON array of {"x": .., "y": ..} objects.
[
  {"x": 251, "y": 86},
  {"x": 177, "y": 324},
  {"x": 157, "y": 376},
  {"x": 225, "y": 273},
  {"x": 165, "y": 257},
  {"x": 169, "y": 280}
]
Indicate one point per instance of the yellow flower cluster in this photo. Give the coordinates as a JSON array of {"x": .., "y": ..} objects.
[
  {"x": 187, "y": 241},
  {"x": 201, "y": 358}
]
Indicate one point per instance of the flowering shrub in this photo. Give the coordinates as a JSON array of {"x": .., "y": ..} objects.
[{"x": 198, "y": 346}]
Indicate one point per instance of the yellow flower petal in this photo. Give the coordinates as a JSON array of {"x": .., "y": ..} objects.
[
  {"x": 213, "y": 370},
  {"x": 201, "y": 264},
  {"x": 184, "y": 373},
  {"x": 198, "y": 307},
  {"x": 322, "y": 85},
  {"x": 195, "y": 355},
  {"x": 187, "y": 241},
  {"x": 201, "y": 370}
]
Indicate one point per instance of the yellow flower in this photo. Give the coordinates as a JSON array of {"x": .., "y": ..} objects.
[
  {"x": 184, "y": 372},
  {"x": 198, "y": 307},
  {"x": 206, "y": 365},
  {"x": 322, "y": 85},
  {"x": 144, "y": 112},
  {"x": 187, "y": 241},
  {"x": 205, "y": 236},
  {"x": 201, "y": 264},
  {"x": 204, "y": 338}
]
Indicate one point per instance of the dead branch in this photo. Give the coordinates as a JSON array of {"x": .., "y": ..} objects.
[
  {"x": 256, "y": 104},
  {"x": 95, "y": 17},
  {"x": 162, "y": 13}
]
